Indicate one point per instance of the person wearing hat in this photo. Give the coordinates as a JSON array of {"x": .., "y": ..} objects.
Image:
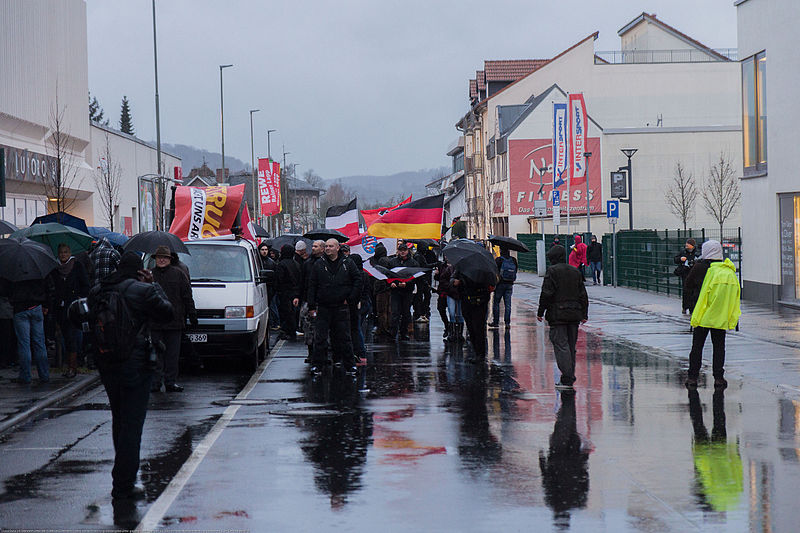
[
  {"x": 402, "y": 292},
  {"x": 179, "y": 292},
  {"x": 300, "y": 252}
]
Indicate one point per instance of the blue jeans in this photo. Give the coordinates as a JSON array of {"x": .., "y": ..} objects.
[
  {"x": 454, "y": 310},
  {"x": 503, "y": 290},
  {"x": 596, "y": 267},
  {"x": 29, "y": 327}
]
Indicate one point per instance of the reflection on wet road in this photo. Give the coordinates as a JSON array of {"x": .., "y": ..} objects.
[{"x": 426, "y": 441}]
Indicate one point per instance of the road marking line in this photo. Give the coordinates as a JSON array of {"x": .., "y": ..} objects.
[{"x": 160, "y": 507}]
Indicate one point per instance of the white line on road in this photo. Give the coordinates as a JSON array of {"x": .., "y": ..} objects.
[{"x": 160, "y": 507}]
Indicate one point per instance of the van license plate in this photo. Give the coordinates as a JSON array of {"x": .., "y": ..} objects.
[{"x": 198, "y": 337}]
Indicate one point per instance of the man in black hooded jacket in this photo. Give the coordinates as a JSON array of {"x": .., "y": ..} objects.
[
  {"x": 127, "y": 382},
  {"x": 289, "y": 283},
  {"x": 334, "y": 283},
  {"x": 565, "y": 304}
]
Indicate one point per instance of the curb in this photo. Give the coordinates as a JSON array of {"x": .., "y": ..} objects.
[{"x": 51, "y": 399}]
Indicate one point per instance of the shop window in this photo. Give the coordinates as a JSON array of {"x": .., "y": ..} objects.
[{"x": 754, "y": 114}]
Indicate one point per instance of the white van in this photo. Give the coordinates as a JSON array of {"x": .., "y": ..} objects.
[{"x": 230, "y": 294}]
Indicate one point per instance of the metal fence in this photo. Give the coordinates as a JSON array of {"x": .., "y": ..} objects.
[{"x": 645, "y": 257}]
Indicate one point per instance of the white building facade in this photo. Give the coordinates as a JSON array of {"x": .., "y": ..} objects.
[
  {"x": 44, "y": 65},
  {"x": 770, "y": 183}
]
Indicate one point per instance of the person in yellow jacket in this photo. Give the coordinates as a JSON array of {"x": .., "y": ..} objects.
[{"x": 717, "y": 310}]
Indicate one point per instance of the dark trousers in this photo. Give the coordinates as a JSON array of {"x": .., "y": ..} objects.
[
  {"x": 167, "y": 370},
  {"x": 383, "y": 312},
  {"x": 333, "y": 321},
  {"x": 401, "y": 311},
  {"x": 475, "y": 319},
  {"x": 7, "y": 338},
  {"x": 128, "y": 389},
  {"x": 288, "y": 316},
  {"x": 441, "y": 306},
  {"x": 356, "y": 334},
  {"x": 422, "y": 301},
  {"x": 504, "y": 291},
  {"x": 564, "y": 337},
  {"x": 696, "y": 355}
]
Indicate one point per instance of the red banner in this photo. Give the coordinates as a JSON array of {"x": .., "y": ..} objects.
[
  {"x": 269, "y": 187},
  {"x": 531, "y": 166},
  {"x": 578, "y": 134},
  {"x": 276, "y": 178},
  {"x": 203, "y": 212}
]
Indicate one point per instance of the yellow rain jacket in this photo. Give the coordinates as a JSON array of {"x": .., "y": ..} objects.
[{"x": 718, "y": 304}]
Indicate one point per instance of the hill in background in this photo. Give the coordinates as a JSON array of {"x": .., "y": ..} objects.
[{"x": 378, "y": 189}]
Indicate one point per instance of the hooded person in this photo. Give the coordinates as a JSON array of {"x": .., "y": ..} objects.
[
  {"x": 127, "y": 380},
  {"x": 381, "y": 293},
  {"x": 716, "y": 310},
  {"x": 565, "y": 304},
  {"x": 71, "y": 282},
  {"x": 105, "y": 259},
  {"x": 685, "y": 259},
  {"x": 577, "y": 255},
  {"x": 289, "y": 283}
]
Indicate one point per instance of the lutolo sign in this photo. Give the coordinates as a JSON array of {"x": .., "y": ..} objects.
[{"x": 24, "y": 165}]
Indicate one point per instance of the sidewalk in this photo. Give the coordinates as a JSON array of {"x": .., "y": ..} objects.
[
  {"x": 767, "y": 347},
  {"x": 18, "y": 403}
]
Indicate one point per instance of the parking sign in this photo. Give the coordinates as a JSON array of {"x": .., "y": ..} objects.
[{"x": 556, "y": 197}]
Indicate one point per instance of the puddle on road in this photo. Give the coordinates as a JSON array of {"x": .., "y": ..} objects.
[{"x": 631, "y": 450}]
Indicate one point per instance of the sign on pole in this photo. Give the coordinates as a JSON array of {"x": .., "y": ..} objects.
[
  {"x": 540, "y": 208},
  {"x": 619, "y": 185},
  {"x": 556, "y": 215},
  {"x": 612, "y": 210}
]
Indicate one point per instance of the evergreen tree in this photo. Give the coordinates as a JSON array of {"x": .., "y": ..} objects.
[
  {"x": 125, "y": 120},
  {"x": 96, "y": 111}
]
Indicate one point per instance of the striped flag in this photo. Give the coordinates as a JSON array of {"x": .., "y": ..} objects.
[
  {"x": 420, "y": 219},
  {"x": 399, "y": 273},
  {"x": 343, "y": 218},
  {"x": 364, "y": 245},
  {"x": 371, "y": 215}
]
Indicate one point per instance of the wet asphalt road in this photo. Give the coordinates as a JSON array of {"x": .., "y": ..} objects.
[{"x": 425, "y": 441}]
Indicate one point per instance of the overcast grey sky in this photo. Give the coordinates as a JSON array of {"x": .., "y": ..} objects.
[{"x": 352, "y": 86}]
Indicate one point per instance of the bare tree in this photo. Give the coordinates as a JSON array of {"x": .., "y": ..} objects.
[
  {"x": 314, "y": 179},
  {"x": 721, "y": 193},
  {"x": 107, "y": 179},
  {"x": 682, "y": 194},
  {"x": 60, "y": 184}
]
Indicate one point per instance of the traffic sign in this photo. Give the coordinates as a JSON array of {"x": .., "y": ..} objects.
[
  {"x": 619, "y": 186},
  {"x": 540, "y": 208},
  {"x": 556, "y": 197},
  {"x": 556, "y": 215},
  {"x": 612, "y": 209}
]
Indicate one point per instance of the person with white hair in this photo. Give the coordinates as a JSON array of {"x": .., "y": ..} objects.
[{"x": 715, "y": 310}]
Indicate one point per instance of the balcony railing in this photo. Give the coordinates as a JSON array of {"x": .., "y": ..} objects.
[{"x": 689, "y": 55}]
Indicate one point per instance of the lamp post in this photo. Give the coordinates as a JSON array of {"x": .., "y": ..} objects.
[
  {"x": 293, "y": 196},
  {"x": 222, "y": 118},
  {"x": 587, "y": 155},
  {"x": 269, "y": 150},
  {"x": 253, "y": 168},
  {"x": 158, "y": 120},
  {"x": 284, "y": 182},
  {"x": 629, "y": 154}
]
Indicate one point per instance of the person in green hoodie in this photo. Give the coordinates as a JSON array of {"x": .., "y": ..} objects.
[{"x": 717, "y": 310}]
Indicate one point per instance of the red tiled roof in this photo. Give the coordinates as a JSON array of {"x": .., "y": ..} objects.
[
  {"x": 510, "y": 69},
  {"x": 480, "y": 76},
  {"x": 473, "y": 89}
]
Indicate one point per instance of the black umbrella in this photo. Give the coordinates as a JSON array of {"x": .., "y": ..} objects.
[
  {"x": 472, "y": 261},
  {"x": 148, "y": 241},
  {"x": 323, "y": 234},
  {"x": 290, "y": 239},
  {"x": 259, "y": 231},
  {"x": 432, "y": 243},
  {"x": 24, "y": 259},
  {"x": 62, "y": 218},
  {"x": 7, "y": 227},
  {"x": 508, "y": 242}
]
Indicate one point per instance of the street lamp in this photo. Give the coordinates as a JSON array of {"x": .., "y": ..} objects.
[
  {"x": 269, "y": 151},
  {"x": 222, "y": 118},
  {"x": 253, "y": 167},
  {"x": 629, "y": 154},
  {"x": 158, "y": 119},
  {"x": 284, "y": 182}
]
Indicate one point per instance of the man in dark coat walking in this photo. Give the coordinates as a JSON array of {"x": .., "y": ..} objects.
[
  {"x": 334, "y": 283},
  {"x": 565, "y": 304},
  {"x": 289, "y": 283},
  {"x": 594, "y": 255},
  {"x": 685, "y": 260},
  {"x": 402, "y": 292},
  {"x": 179, "y": 292}
]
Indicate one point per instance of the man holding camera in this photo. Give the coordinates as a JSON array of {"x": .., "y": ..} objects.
[{"x": 126, "y": 372}]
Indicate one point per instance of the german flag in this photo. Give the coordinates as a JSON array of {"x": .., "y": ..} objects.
[{"x": 420, "y": 219}]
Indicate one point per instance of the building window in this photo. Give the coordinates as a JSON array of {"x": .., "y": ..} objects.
[{"x": 754, "y": 113}]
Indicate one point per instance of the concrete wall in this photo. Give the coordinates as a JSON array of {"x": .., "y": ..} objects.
[{"x": 770, "y": 25}]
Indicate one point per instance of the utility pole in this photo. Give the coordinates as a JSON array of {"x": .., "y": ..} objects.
[
  {"x": 222, "y": 118},
  {"x": 256, "y": 204},
  {"x": 163, "y": 192},
  {"x": 285, "y": 180}
]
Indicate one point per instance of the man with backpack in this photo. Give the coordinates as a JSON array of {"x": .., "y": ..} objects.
[
  {"x": 507, "y": 266},
  {"x": 122, "y": 307}
]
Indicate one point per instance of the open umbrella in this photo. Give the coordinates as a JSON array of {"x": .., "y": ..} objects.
[
  {"x": 148, "y": 241},
  {"x": 52, "y": 234},
  {"x": 7, "y": 227},
  {"x": 323, "y": 234},
  {"x": 22, "y": 259},
  {"x": 63, "y": 218},
  {"x": 97, "y": 231},
  {"x": 290, "y": 239},
  {"x": 472, "y": 261},
  {"x": 508, "y": 242}
]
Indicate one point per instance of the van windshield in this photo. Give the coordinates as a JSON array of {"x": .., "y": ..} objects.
[{"x": 209, "y": 262}]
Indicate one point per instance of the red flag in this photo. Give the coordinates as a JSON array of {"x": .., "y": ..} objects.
[
  {"x": 202, "y": 212},
  {"x": 247, "y": 228},
  {"x": 371, "y": 215},
  {"x": 269, "y": 188}
]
